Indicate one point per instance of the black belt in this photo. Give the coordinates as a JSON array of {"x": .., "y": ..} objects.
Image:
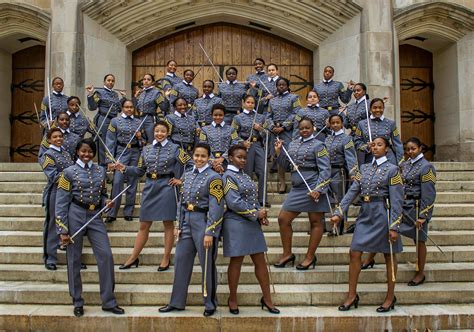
[
  {"x": 203, "y": 123},
  {"x": 154, "y": 175},
  {"x": 128, "y": 146},
  {"x": 217, "y": 154},
  {"x": 337, "y": 166},
  {"x": 253, "y": 139},
  {"x": 193, "y": 208},
  {"x": 277, "y": 124},
  {"x": 307, "y": 169},
  {"x": 330, "y": 108},
  {"x": 412, "y": 197},
  {"x": 368, "y": 198},
  {"x": 228, "y": 111},
  {"x": 90, "y": 207}
]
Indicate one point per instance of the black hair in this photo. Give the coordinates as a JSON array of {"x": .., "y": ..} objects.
[
  {"x": 204, "y": 146},
  {"x": 210, "y": 81},
  {"x": 305, "y": 118},
  {"x": 232, "y": 68},
  {"x": 247, "y": 97},
  {"x": 73, "y": 97},
  {"x": 332, "y": 68},
  {"x": 217, "y": 107},
  {"x": 87, "y": 141},
  {"x": 61, "y": 113},
  {"x": 334, "y": 115},
  {"x": 124, "y": 100},
  {"x": 373, "y": 101},
  {"x": 192, "y": 71},
  {"x": 385, "y": 139},
  {"x": 236, "y": 147},
  {"x": 151, "y": 75},
  {"x": 259, "y": 59},
  {"x": 175, "y": 102},
  {"x": 307, "y": 94},
  {"x": 105, "y": 77},
  {"x": 57, "y": 78},
  {"x": 415, "y": 140},
  {"x": 51, "y": 131},
  {"x": 172, "y": 60},
  {"x": 283, "y": 79},
  {"x": 364, "y": 87},
  {"x": 272, "y": 64},
  {"x": 164, "y": 124}
]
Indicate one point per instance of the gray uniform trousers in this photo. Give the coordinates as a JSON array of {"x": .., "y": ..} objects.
[
  {"x": 256, "y": 164},
  {"x": 191, "y": 242},
  {"x": 101, "y": 159},
  {"x": 130, "y": 158},
  {"x": 50, "y": 237},
  {"x": 97, "y": 235}
]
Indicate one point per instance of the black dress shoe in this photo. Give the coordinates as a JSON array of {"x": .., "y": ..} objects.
[
  {"x": 169, "y": 308},
  {"x": 290, "y": 259},
  {"x": 354, "y": 303},
  {"x": 83, "y": 266},
  {"x": 369, "y": 264},
  {"x": 128, "y": 218},
  {"x": 208, "y": 313},
  {"x": 273, "y": 310},
  {"x": 126, "y": 267},
  {"x": 78, "y": 311},
  {"x": 232, "y": 311},
  {"x": 163, "y": 268},
  {"x": 50, "y": 266},
  {"x": 414, "y": 283},
  {"x": 115, "y": 310},
  {"x": 390, "y": 307},
  {"x": 302, "y": 267},
  {"x": 108, "y": 220}
]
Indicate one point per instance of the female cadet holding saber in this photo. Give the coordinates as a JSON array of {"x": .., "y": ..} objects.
[
  {"x": 242, "y": 233},
  {"x": 201, "y": 215},
  {"x": 81, "y": 193},
  {"x": 419, "y": 179},
  {"x": 381, "y": 190}
]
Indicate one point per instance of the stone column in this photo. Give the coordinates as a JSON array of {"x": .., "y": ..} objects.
[
  {"x": 376, "y": 51},
  {"x": 67, "y": 49}
]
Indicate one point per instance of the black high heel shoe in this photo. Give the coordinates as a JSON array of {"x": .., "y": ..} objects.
[
  {"x": 366, "y": 266},
  {"x": 390, "y": 307},
  {"x": 355, "y": 303},
  {"x": 163, "y": 268},
  {"x": 273, "y": 310},
  {"x": 286, "y": 261},
  {"x": 232, "y": 311},
  {"x": 305, "y": 267},
  {"x": 126, "y": 267},
  {"x": 282, "y": 191}
]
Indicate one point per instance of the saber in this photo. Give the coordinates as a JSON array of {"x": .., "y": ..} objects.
[
  {"x": 98, "y": 213},
  {"x": 98, "y": 136},
  {"x": 255, "y": 116},
  {"x": 103, "y": 121},
  {"x": 204, "y": 293},
  {"x": 368, "y": 120},
  {"x": 200, "y": 68},
  {"x": 210, "y": 61},
  {"x": 325, "y": 127},
  {"x": 131, "y": 138},
  {"x": 37, "y": 115},
  {"x": 118, "y": 90},
  {"x": 263, "y": 84},
  {"x": 49, "y": 102},
  {"x": 390, "y": 242},
  {"x": 417, "y": 268}
]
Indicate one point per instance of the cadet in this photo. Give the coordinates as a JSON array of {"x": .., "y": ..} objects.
[
  {"x": 200, "y": 220},
  {"x": 170, "y": 79},
  {"x": 78, "y": 124},
  {"x": 330, "y": 91},
  {"x": 380, "y": 127},
  {"x": 312, "y": 159},
  {"x": 283, "y": 108},
  {"x": 70, "y": 139},
  {"x": 220, "y": 137},
  {"x": 182, "y": 125},
  {"x": 318, "y": 115},
  {"x": 185, "y": 89},
  {"x": 203, "y": 106},
  {"x": 344, "y": 165},
  {"x": 108, "y": 104},
  {"x": 163, "y": 163},
  {"x": 253, "y": 80},
  {"x": 81, "y": 194},
  {"x": 58, "y": 103},
  {"x": 419, "y": 180},
  {"x": 126, "y": 150},
  {"x": 242, "y": 233},
  {"x": 53, "y": 161},
  {"x": 150, "y": 102},
  {"x": 250, "y": 127},
  {"x": 381, "y": 190},
  {"x": 231, "y": 93},
  {"x": 273, "y": 76}
]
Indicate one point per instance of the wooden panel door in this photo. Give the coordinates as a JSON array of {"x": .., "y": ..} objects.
[
  {"x": 416, "y": 96},
  {"x": 227, "y": 45},
  {"x": 27, "y": 90}
]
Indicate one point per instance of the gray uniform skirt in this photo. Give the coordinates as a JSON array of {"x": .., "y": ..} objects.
[
  {"x": 298, "y": 199},
  {"x": 371, "y": 231},
  {"x": 158, "y": 200},
  {"x": 407, "y": 226},
  {"x": 241, "y": 236}
]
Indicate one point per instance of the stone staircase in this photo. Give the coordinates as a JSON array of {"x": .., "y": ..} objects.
[{"x": 32, "y": 298}]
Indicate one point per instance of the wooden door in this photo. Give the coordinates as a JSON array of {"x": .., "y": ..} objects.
[
  {"x": 27, "y": 90},
  {"x": 416, "y": 96},
  {"x": 227, "y": 45}
]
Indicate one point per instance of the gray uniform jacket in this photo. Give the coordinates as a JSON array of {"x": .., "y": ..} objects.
[
  {"x": 184, "y": 90},
  {"x": 69, "y": 144},
  {"x": 202, "y": 109},
  {"x": 355, "y": 113},
  {"x": 58, "y": 105},
  {"x": 182, "y": 128},
  {"x": 318, "y": 115},
  {"x": 330, "y": 92},
  {"x": 78, "y": 124},
  {"x": 220, "y": 138}
]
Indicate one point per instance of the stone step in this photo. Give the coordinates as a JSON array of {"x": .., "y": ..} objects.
[
  {"x": 440, "y": 210},
  {"x": 325, "y": 255},
  {"x": 300, "y": 224},
  {"x": 53, "y": 317},
  {"x": 323, "y": 274},
  {"x": 300, "y": 239},
  {"x": 14, "y": 292}
]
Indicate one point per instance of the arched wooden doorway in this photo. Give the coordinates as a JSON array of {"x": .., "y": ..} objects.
[
  {"x": 416, "y": 96},
  {"x": 227, "y": 45},
  {"x": 27, "y": 90}
]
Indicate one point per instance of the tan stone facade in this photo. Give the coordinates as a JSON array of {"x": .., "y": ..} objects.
[{"x": 86, "y": 39}]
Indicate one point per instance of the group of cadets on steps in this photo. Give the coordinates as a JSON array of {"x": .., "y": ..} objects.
[{"x": 199, "y": 155}]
